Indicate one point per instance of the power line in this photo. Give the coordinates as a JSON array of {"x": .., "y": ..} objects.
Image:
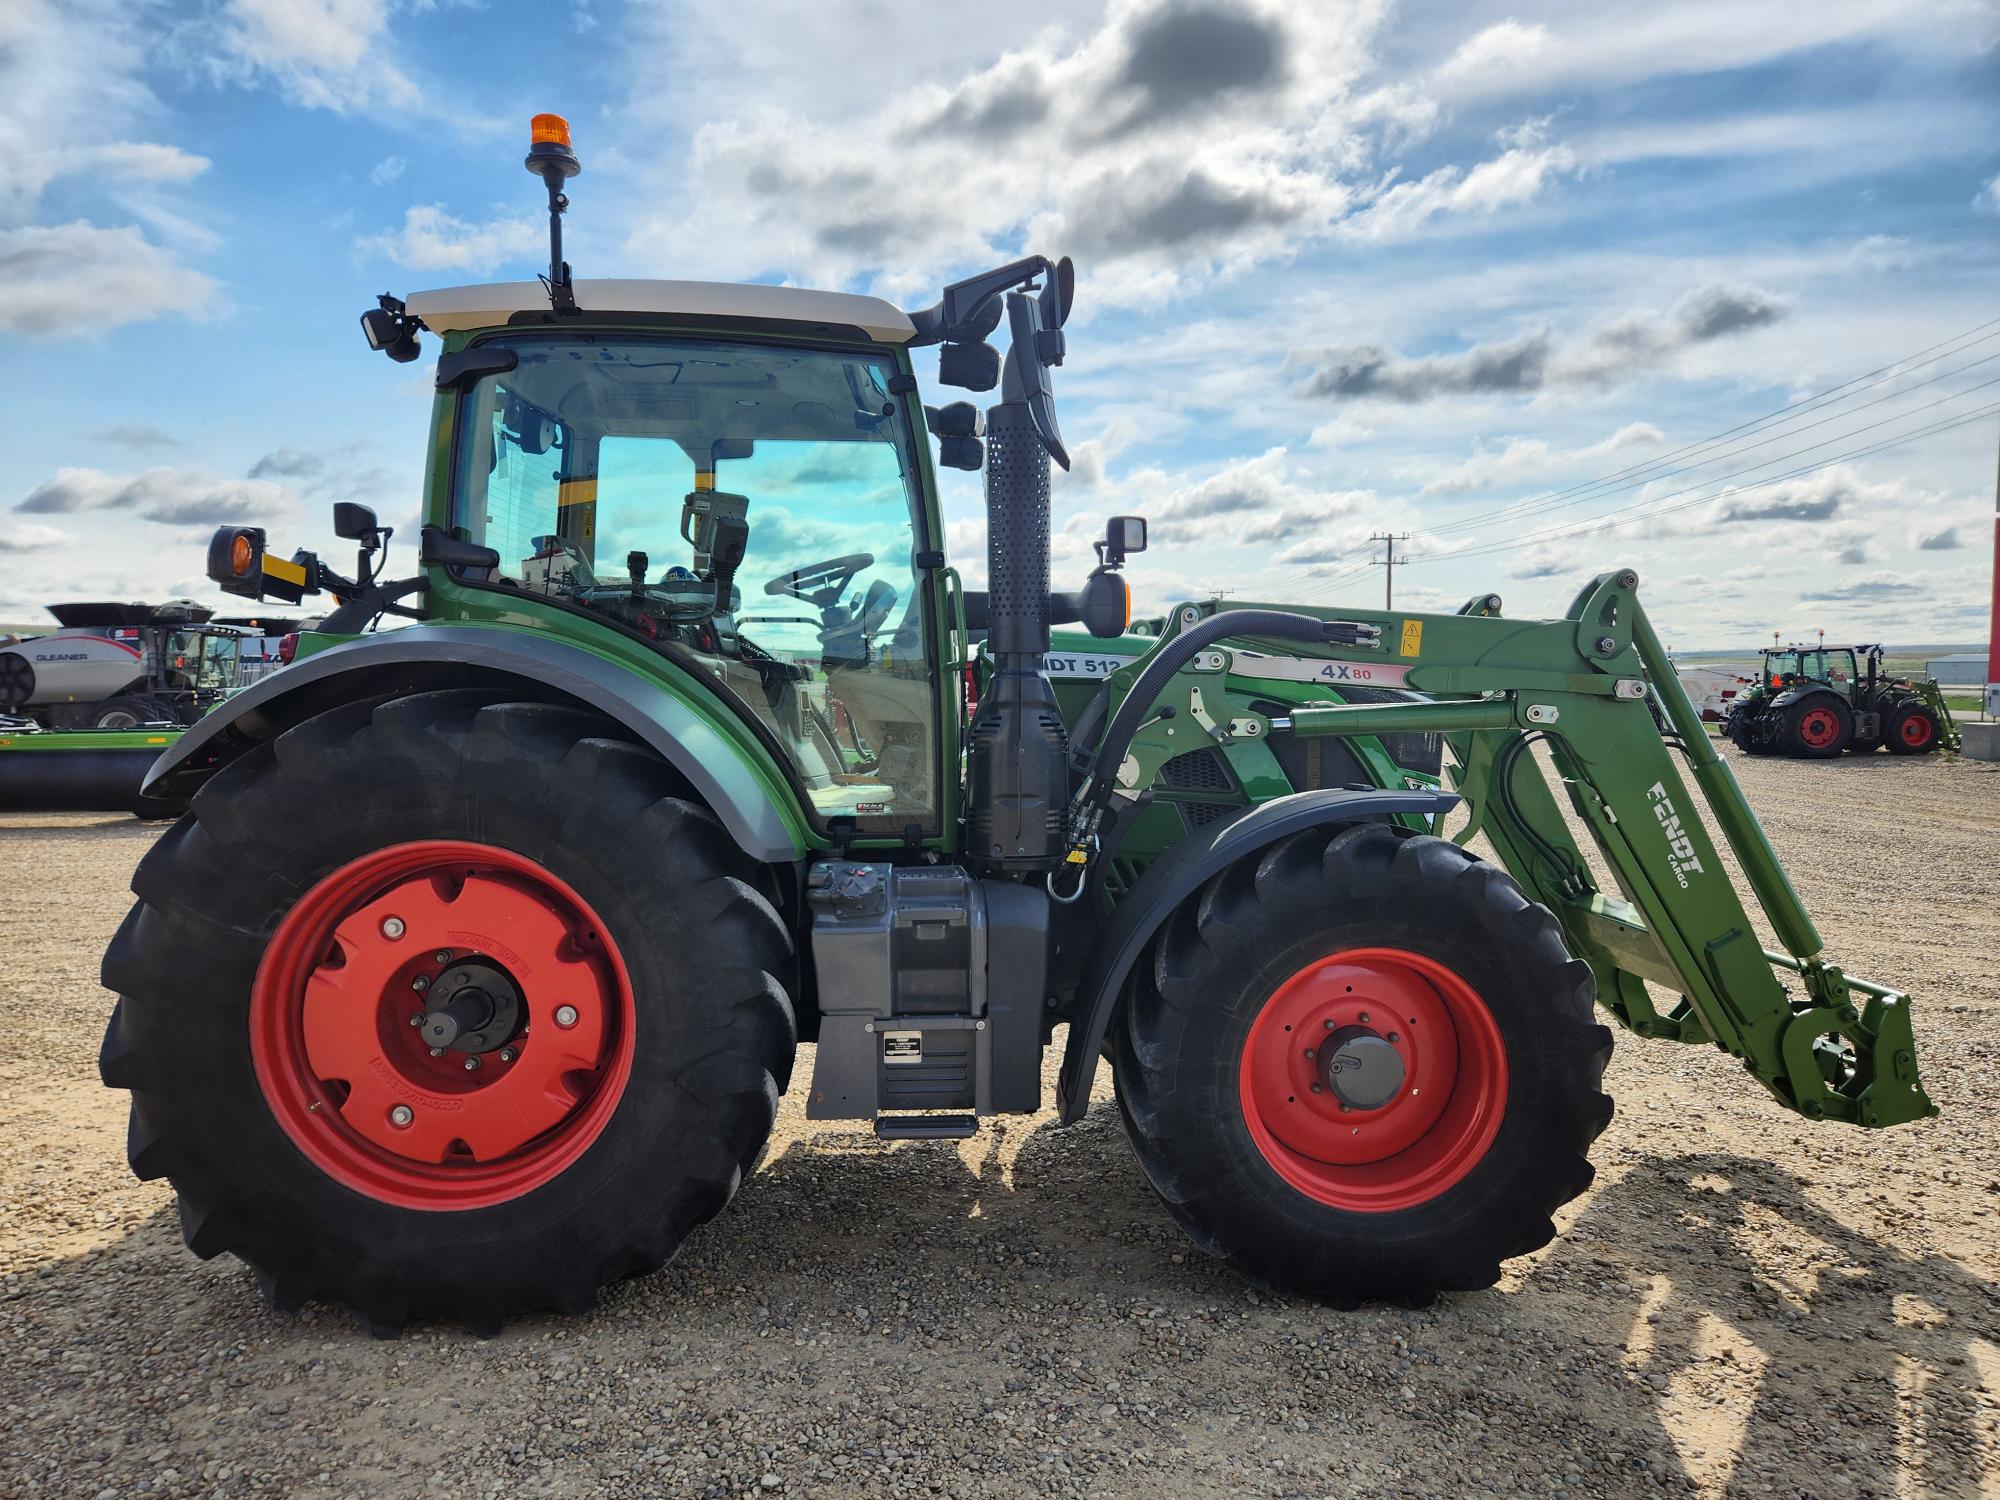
[
  {"x": 1637, "y": 474},
  {"x": 1611, "y": 520}
]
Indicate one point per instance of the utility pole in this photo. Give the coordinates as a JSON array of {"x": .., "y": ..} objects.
[
  {"x": 1992, "y": 706},
  {"x": 1388, "y": 565}
]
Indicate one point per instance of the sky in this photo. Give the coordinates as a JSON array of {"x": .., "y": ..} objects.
[{"x": 1708, "y": 289}]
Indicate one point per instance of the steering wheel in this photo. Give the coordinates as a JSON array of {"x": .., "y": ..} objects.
[{"x": 822, "y": 584}]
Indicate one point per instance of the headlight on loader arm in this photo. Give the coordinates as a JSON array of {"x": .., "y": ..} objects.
[{"x": 240, "y": 565}]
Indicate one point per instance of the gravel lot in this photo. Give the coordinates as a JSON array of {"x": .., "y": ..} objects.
[{"x": 1744, "y": 1304}]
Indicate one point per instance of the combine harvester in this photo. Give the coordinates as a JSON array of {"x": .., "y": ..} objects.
[
  {"x": 472, "y": 978},
  {"x": 86, "y": 709}
]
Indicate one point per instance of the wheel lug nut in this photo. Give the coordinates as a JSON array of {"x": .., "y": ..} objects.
[
  {"x": 1309, "y": 1054},
  {"x": 417, "y": 1019},
  {"x": 393, "y": 928},
  {"x": 472, "y": 1065},
  {"x": 1318, "y": 1090},
  {"x": 420, "y": 983},
  {"x": 443, "y": 956},
  {"x": 506, "y": 1054},
  {"x": 1329, "y": 1025},
  {"x": 437, "y": 1052},
  {"x": 1364, "y": 1018},
  {"x": 1394, "y": 1037},
  {"x": 401, "y": 1116},
  {"x": 565, "y": 1016}
]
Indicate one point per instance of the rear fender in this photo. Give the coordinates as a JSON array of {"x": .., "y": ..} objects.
[
  {"x": 430, "y": 657},
  {"x": 1178, "y": 874}
]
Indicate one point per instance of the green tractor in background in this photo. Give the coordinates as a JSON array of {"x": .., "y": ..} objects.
[
  {"x": 472, "y": 977},
  {"x": 1813, "y": 702}
]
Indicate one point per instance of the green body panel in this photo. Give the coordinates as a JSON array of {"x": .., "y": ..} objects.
[{"x": 55, "y": 741}]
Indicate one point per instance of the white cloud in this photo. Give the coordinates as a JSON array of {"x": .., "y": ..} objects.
[
  {"x": 78, "y": 278},
  {"x": 1514, "y": 177},
  {"x": 1599, "y": 47},
  {"x": 1987, "y": 200},
  {"x": 1529, "y": 458},
  {"x": 326, "y": 54},
  {"x": 173, "y": 497},
  {"x": 1173, "y": 142},
  {"x": 388, "y": 169},
  {"x": 1501, "y": 48},
  {"x": 432, "y": 240},
  {"x": 29, "y": 536}
]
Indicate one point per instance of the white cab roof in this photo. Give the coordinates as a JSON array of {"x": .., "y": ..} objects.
[{"x": 489, "y": 306}]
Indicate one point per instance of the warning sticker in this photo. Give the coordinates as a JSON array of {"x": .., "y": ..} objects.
[{"x": 1413, "y": 638}]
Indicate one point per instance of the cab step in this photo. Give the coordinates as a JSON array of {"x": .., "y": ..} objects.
[{"x": 926, "y": 1127}]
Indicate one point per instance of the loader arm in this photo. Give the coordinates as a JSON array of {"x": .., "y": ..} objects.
[{"x": 1597, "y": 690}]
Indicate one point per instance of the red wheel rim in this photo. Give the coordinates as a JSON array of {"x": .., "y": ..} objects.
[
  {"x": 1443, "y": 1113},
  {"x": 1819, "y": 728},
  {"x": 354, "y": 1084},
  {"x": 1916, "y": 731}
]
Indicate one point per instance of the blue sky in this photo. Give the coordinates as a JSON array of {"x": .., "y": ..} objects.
[{"x": 1483, "y": 274}]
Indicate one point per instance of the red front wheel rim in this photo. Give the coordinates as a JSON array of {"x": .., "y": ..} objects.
[
  {"x": 344, "y": 1016},
  {"x": 1916, "y": 731},
  {"x": 1373, "y": 1079}
]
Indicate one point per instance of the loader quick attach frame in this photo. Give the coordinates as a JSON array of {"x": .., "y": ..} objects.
[{"x": 1597, "y": 689}]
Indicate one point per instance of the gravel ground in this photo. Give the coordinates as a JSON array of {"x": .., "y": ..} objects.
[{"x": 1744, "y": 1304}]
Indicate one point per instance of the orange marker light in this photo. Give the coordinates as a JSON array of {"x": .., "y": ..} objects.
[
  {"x": 241, "y": 555},
  {"x": 547, "y": 129}
]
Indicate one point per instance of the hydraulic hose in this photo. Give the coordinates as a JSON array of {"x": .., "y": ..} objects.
[{"x": 1094, "y": 794}]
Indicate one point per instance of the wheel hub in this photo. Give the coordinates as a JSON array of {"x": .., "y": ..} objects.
[
  {"x": 473, "y": 1006},
  {"x": 1363, "y": 1071}
]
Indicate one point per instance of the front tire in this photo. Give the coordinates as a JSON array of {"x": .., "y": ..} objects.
[
  {"x": 1913, "y": 729},
  {"x": 272, "y": 975},
  {"x": 1464, "y": 1035}
]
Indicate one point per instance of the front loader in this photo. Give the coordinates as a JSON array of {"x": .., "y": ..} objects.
[{"x": 472, "y": 978}]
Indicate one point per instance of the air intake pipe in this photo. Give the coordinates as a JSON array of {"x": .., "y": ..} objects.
[{"x": 1018, "y": 770}]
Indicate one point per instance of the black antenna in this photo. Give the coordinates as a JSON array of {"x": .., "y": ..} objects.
[{"x": 551, "y": 159}]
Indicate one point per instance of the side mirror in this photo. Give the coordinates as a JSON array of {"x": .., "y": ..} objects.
[
  {"x": 971, "y": 367},
  {"x": 354, "y": 523},
  {"x": 1122, "y": 535}
]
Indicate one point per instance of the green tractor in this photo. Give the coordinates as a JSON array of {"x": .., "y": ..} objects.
[
  {"x": 1814, "y": 702},
  {"x": 472, "y": 978}
]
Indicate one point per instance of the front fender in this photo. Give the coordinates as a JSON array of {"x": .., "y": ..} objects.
[
  {"x": 428, "y": 657},
  {"x": 1178, "y": 874}
]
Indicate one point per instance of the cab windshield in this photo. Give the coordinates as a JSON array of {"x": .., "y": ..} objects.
[{"x": 751, "y": 510}]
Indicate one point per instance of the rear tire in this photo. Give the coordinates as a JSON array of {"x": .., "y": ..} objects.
[
  {"x": 264, "y": 1054},
  {"x": 1914, "y": 729},
  {"x": 1312, "y": 928},
  {"x": 1817, "y": 728}
]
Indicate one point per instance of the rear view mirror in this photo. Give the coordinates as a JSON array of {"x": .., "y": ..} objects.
[
  {"x": 354, "y": 523},
  {"x": 971, "y": 367},
  {"x": 1125, "y": 534}
]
